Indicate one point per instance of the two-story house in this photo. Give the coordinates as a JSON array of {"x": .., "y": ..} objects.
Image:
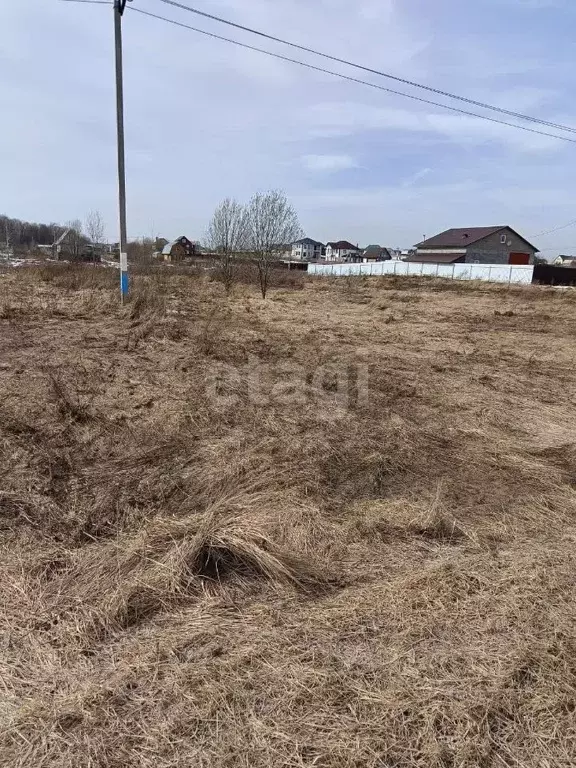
[
  {"x": 307, "y": 249},
  {"x": 342, "y": 250},
  {"x": 179, "y": 249}
]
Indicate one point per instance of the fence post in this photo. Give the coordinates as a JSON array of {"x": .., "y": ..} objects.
[
  {"x": 395, "y": 265},
  {"x": 510, "y": 276},
  {"x": 453, "y": 270}
]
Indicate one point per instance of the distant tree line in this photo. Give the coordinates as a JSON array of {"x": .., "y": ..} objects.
[
  {"x": 16, "y": 233},
  {"x": 26, "y": 236}
]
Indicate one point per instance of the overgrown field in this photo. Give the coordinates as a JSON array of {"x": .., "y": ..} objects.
[{"x": 333, "y": 528}]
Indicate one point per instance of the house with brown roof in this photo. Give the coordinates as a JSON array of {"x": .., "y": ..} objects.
[
  {"x": 476, "y": 245},
  {"x": 375, "y": 253},
  {"x": 342, "y": 250},
  {"x": 179, "y": 249}
]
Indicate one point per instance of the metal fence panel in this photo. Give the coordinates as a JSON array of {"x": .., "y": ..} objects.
[{"x": 499, "y": 273}]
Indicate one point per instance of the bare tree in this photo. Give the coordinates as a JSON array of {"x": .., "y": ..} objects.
[
  {"x": 141, "y": 251},
  {"x": 226, "y": 236},
  {"x": 271, "y": 224},
  {"x": 6, "y": 230},
  {"x": 75, "y": 237},
  {"x": 94, "y": 227}
]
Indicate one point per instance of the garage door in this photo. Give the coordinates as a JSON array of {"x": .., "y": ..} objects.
[{"x": 519, "y": 258}]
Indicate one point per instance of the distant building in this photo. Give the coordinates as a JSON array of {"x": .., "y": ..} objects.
[
  {"x": 476, "y": 245},
  {"x": 307, "y": 249},
  {"x": 376, "y": 253},
  {"x": 342, "y": 250},
  {"x": 565, "y": 261},
  {"x": 178, "y": 250}
]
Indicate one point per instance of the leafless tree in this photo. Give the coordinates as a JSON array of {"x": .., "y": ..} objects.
[
  {"x": 141, "y": 251},
  {"x": 271, "y": 224},
  {"x": 94, "y": 226},
  {"x": 226, "y": 236},
  {"x": 75, "y": 238}
]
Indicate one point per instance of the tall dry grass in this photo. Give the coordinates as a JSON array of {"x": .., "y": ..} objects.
[{"x": 190, "y": 582}]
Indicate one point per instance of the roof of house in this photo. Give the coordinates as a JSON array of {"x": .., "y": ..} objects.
[
  {"x": 435, "y": 258},
  {"x": 342, "y": 245},
  {"x": 375, "y": 250},
  {"x": 307, "y": 241},
  {"x": 167, "y": 250},
  {"x": 465, "y": 236}
]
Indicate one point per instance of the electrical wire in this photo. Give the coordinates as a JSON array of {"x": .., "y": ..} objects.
[
  {"x": 349, "y": 78},
  {"x": 556, "y": 229},
  {"x": 437, "y": 91}
]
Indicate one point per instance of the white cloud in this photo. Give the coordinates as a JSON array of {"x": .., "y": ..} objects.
[
  {"x": 328, "y": 163},
  {"x": 331, "y": 120},
  {"x": 205, "y": 119}
]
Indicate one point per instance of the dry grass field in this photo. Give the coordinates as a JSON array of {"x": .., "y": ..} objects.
[{"x": 375, "y": 573}]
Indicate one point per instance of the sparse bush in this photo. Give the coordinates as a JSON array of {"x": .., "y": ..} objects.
[{"x": 76, "y": 277}]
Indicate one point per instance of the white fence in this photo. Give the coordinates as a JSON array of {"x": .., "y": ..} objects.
[{"x": 498, "y": 273}]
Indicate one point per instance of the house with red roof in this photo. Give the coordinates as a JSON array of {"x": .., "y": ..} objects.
[{"x": 476, "y": 245}]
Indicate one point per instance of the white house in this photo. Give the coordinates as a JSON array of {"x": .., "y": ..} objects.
[
  {"x": 307, "y": 249},
  {"x": 342, "y": 250},
  {"x": 565, "y": 261}
]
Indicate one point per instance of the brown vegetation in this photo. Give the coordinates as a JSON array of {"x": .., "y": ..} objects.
[{"x": 380, "y": 578}]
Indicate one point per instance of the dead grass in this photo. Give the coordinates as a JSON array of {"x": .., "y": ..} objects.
[{"x": 199, "y": 569}]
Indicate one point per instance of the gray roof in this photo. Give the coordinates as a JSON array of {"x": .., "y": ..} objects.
[
  {"x": 167, "y": 250},
  {"x": 376, "y": 251},
  {"x": 308, "y": 241}
]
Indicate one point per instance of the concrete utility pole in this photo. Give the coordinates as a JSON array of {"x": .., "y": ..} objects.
[{"x": 119, "y": 6}]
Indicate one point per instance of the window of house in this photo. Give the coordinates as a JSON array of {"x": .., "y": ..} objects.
[{"x": 503, "y": 239}]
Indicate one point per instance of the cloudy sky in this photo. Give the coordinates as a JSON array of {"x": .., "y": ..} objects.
[{"x": 206, "y": 119}]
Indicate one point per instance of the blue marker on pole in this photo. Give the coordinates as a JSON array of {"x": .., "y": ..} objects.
[
  {"x": 123, "y": 275},
  {"x": 118, "y": 9}
]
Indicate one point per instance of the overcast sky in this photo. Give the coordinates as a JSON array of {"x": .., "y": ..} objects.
[{"x": 206, "y": 119}]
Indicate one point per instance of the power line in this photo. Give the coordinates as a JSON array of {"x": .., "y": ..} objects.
[
  {"x": 556, "y": 229},
  {"x": 351, "y": 79},
  {"x": 439, "y": 92}
]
